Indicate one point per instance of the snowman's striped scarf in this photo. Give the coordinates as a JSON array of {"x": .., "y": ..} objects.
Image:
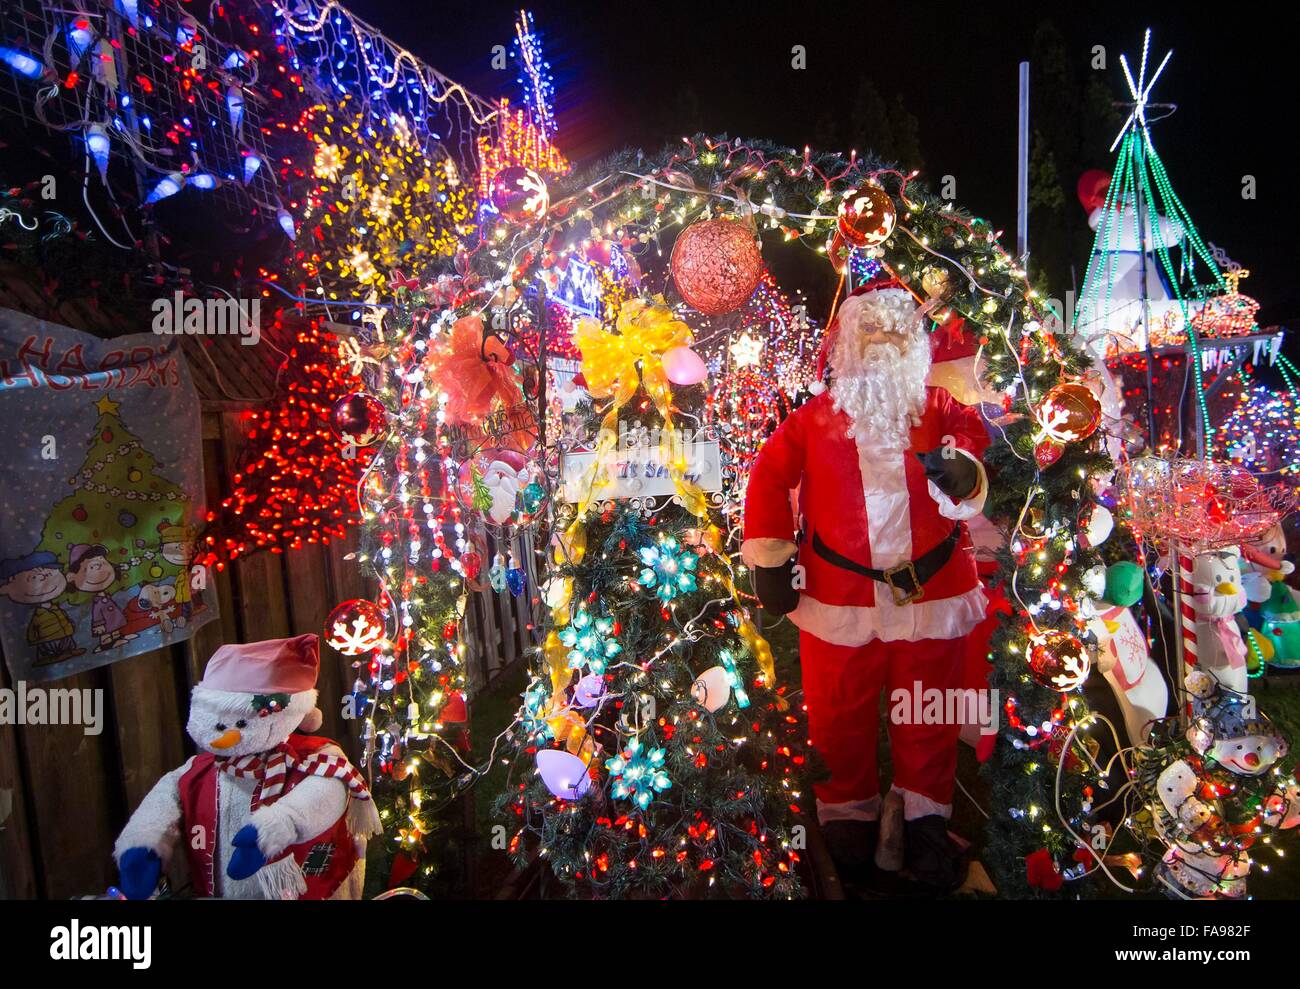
[{"x": 272, "y": 771}]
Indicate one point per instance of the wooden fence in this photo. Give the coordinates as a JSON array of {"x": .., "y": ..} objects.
[{"x": 67, "y": 794}]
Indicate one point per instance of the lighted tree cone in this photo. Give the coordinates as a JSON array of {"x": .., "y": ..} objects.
[
  {"x": 716, "y": 265},
  {"x": 294, "y": 485}
]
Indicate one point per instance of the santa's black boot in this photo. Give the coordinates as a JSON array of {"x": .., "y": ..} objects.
[
  {"x": 932, "y": 858},
  {"x": 851, "y": 845},
  {"x": 889, "y": 850}
]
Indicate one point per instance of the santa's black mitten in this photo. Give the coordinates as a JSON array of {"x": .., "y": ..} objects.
[
  {"x": 775, "y": 588},
  {"x": 953, "y": 473}
]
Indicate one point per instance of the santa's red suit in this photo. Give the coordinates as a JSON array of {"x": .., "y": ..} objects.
[{"x": 869, "y": 511}]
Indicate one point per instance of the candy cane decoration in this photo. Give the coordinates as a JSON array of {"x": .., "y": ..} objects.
[
  {"x": 1186, "y": 642},
  {"x": 1186, "y": 613}
]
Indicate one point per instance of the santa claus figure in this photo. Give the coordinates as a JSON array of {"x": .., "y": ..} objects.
[{"x": 880, "y": 579}]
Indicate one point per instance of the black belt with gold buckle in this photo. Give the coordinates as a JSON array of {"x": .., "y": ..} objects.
[{"x": 907, "y": 580}]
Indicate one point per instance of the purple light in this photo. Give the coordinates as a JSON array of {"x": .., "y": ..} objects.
[
  {"x": 283, "y": 218},
  {"x": 98, "y": 144}
]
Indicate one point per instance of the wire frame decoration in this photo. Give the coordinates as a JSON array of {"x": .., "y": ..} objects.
[
  {"x": 147, "y": 82},
  {"x": 340, "y": 54},
  {"x": 1200, "y": 504}
]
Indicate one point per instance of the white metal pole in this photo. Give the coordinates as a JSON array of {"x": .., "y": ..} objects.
[{"x": 1022, "y": 169}]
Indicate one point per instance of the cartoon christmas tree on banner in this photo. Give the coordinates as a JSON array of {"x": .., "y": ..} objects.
[
  {"x": 655, "y": 754},
  {"x": 117, "y": 499}
]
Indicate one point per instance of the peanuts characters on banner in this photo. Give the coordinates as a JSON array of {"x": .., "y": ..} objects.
[{"x": 105, "y": 485}]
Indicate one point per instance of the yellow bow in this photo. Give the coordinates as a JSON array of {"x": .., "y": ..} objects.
[
  {"x": 615, "y": 364},
  {"x": 610, "y": 361}
]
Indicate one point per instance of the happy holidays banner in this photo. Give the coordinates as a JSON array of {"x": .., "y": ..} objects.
[{"x": 104, "y": 485}]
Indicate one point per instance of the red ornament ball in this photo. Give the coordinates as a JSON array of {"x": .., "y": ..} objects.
[
  {"x": 520, "y": 195},
  {"x": 1070, "y": 412},
  {"x": 1057, "y": 660},
  {"x": 359, "y": 418},
  {"x": 716, "y": 265},
  {"x": 867, "y": 216},
  {"x": 355, "y": 627}
]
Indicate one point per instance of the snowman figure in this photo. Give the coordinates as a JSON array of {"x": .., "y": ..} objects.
[
  {"x": 1122, "y": 654},
  {"x": 1272, "y": 610},
  {"x": 1217, "y": 597},
  {"x": 261, "y": 812},
  {"x": 1216, "y": 799}
]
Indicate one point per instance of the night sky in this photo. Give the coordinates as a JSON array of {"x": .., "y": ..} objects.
[{"x": 622, "y": 72}]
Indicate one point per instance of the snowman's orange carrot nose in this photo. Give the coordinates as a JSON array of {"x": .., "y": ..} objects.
[{"x": 229, "y": 738}]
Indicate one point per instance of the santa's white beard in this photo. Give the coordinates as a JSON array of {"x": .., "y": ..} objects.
[{"x": 880, "y": 386}]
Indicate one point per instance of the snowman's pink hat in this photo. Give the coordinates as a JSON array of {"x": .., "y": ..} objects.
[{"x": 275, "y": 666}]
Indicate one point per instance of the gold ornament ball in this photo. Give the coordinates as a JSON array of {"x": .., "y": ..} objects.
[
  {"x": 867, "y": 216},
  {"x": 1070, "y": 412}
]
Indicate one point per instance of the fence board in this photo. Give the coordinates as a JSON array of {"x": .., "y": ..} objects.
[
  {"x": 310, "y": 603},
  {"x": 72, "y": 782},
  {"x": 17, "y": 875}
]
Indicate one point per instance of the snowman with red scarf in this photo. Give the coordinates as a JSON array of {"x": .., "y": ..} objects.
[
  {"x": 880, "y": 578},
  {"x": 263, "y": 811}
]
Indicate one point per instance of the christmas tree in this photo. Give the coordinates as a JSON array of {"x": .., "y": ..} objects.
[
  {"x": 655, "y": 755},
  {"x": 295, "y": 483},
  {"x": 118, "y": 500}
]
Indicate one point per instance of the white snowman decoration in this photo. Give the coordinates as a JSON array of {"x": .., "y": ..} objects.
[
  {"x": 1122, "y": 653},
  {"x": 1230, "y": 738},
  {"x": 1217, "y": 597},
  {"x": 261, "y": 812}
]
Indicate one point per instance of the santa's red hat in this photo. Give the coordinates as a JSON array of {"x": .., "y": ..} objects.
[
  {"x": 275, "y": 666},
  {"x": 881, "y": 283}
]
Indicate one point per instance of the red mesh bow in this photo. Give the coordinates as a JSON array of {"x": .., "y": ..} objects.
[{"x": 456, "y": 366}]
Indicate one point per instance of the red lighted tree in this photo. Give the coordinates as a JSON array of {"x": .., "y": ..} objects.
[{"x": 294, "y": 485}]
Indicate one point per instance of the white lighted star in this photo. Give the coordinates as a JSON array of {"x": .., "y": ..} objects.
[{"x": 746, "y": 350}]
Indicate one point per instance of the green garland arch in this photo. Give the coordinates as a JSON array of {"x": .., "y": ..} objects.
[{"x": 793, "y": 195}]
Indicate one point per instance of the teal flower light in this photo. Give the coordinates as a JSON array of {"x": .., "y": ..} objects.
[
  {"x": 534, "y": 720},
  {"x": 637, "y": 774},
  {"x": 591, "y": 641},
  {"x": 669, "y": 569}
]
